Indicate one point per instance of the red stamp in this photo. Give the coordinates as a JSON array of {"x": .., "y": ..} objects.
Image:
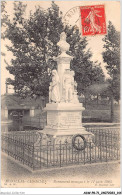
[{"x": 93, "y": 20}]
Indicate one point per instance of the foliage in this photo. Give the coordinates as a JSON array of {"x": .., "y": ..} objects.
[
  {"x": 86, "y": 72},
  {"x": 111, "y": 56},
  {"x": 34, "y": 44},
  {"x": 4, "y": 16},
  {"x": 33, "y": 47}
]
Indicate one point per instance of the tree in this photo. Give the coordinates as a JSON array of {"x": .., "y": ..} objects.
[
  {"x": 4, "y": 16},
  {"x": 97, "y": 75},
  {"x": 86, "y": 71},
  {"x": 4, "y": 21},
  {"x": 33, "y": 48},
  {"x": 111, "y": 56},
  {"x": 34, "y": 44}
]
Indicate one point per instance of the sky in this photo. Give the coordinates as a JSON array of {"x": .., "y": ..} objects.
[{"x": 95, "y": 43}]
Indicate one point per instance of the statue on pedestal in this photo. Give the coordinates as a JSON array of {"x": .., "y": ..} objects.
[
  {"x": 68, "y": 85},
  {"x": 63, "y": 45},
  {"x": 63, "y": 88},
  {"x": 54, "y": 94},
  {"x": 64, "y": 112}
]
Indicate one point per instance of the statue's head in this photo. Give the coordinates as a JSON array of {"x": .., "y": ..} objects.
[
  {"x": 55, "y": 75},
  {"x": 54, "y": 72}
]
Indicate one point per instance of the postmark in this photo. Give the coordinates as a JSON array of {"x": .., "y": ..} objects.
[
  {"x": 93, "y": 20},
  {"x": 72, "y": 17}
]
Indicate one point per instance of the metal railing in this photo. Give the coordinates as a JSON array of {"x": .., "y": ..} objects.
[{"x": 104, "y": 147}]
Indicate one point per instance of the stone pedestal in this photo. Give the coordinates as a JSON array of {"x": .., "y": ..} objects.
[{"x": 64, "y": 119}]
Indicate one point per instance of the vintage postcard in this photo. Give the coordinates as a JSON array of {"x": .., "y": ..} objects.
[{"x": 60, "y": 94}]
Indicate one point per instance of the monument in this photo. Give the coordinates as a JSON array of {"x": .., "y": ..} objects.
[{"x": 64, "y": 112}]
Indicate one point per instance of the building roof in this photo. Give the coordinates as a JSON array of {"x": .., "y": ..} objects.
[{"x": 13, "y": 101}]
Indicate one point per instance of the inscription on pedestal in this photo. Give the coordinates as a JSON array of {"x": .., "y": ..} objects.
[
  {"x": 64, "y": 118},
  {"x": 52, "y": 118},
  {"x": 70, "y": 118}
]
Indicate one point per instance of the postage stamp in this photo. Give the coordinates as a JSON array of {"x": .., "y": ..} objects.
[{"x": 93, "y": 20}]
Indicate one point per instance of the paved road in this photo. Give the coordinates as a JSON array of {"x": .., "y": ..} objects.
[{"x": 95, "y": 175}]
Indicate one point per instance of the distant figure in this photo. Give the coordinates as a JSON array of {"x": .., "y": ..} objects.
[
  {"x": 91, "y": 18},
  {"x": 54, "y": 94}
]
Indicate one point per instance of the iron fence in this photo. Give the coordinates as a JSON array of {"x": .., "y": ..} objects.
[{"x": 104, "y": 147}]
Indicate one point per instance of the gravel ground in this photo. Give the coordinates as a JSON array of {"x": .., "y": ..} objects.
[{"x": 95, "y": 175}]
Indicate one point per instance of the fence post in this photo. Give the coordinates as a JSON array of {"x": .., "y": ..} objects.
[
  {"x": 106, "y": 148},
  {"x": 23, "y": 152},
  {"x": 100, "y": 149},
  {"x": 118, "y": 146},
  {"x": 90, "y": 152},
  {"x": 60, "y": 153},
  {"x": 47, "y": 153},
  {"x": 95, "y": 151},
  {"x": 15, "y": 148},
  {"x": 33, "y": 155},
  {"x": 8, "y": 146},
  {"x": 54, "y": 152},
  {"x": 108, "y": 143},
  {"x": 114, "y": 135},
  {"x": 19, "y": 148},
  {"x": 40, "y": 155},
  {"x": 78, "y": 151},
  {"x": 72, "y": 154},
  {"x": 66, "y": 152},
  {"x": 111, "y": 142},
  {"x": 84, "y": 154}
]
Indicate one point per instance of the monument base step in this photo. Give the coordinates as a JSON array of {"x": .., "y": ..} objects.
[
  {"x": 56, "y": 136},
  {"x": 63, "y": 131},
  {"x": 62, "y": 106}
]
